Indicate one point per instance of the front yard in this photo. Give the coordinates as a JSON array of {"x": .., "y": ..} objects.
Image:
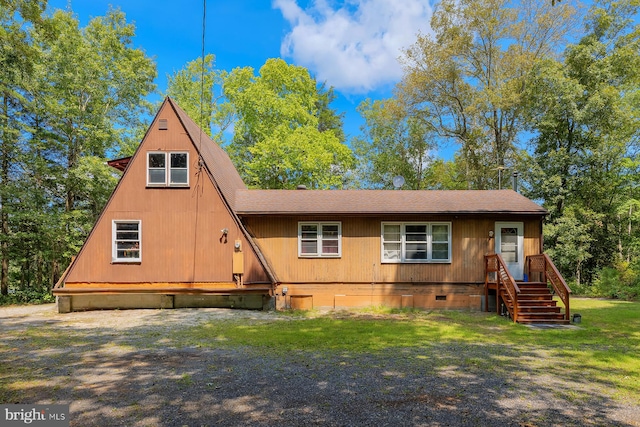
[{"x": 224, "y": 367}]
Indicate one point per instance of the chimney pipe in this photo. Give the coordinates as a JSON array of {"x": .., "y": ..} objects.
[{"x": 515, "y": 182}]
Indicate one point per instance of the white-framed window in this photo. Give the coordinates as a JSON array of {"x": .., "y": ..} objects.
[
  {"x": 320, "y": 239},
  {"x": 167, "y": 169},
  {"x": 126, "y": 241},
  {"x": 416, "y": 242}
]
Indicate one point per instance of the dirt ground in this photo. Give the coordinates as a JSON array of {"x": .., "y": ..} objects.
[{"x": 120, "y": 368}]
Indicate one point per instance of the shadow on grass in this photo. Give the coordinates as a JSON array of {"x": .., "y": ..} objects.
[{"x": 175, "y": 368}]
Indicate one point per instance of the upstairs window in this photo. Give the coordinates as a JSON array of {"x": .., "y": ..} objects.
[
  {"x": 317, "y": 239},
  {"x": 168, "y": 169},
  {"x": 126, "y": 241},
  {"x": 157, "y": 167},
  {"x": 178, "y": 169},
  {"x": 416, "y": 242}
]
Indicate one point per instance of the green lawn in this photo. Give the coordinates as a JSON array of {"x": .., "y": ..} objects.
[
  {"x": 592, "y": 363},
  {"x": 604, "y": 347}
]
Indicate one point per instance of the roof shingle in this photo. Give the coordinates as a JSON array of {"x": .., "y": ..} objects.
[{"x": 308, "y": 202}]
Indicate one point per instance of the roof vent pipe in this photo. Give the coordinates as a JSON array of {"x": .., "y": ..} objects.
[
  {"x": 515, "y": 182},
  {"x": 301, "y": 187}
]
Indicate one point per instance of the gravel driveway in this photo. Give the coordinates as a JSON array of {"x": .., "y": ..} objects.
[{"x": 116, "y": 369}]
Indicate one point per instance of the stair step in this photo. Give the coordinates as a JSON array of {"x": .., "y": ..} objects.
[
  {"x": 528, "y": 300},
  {"x": 545, "y": 321},
  {"x": 534, "y": 289},
  {"x": 546, "y": 297},
  {"x": 531, "y": 284},
  {"x": 539, "y": 309},
  {"x": 541, "y": 316},
  {"x": 536, "y": 303}
]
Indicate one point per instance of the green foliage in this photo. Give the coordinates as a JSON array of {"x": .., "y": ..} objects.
[
  {"x": 393, "y": 144},
  {"x": 465, "y": 81},
  {"x": 447, "y": 174},
  {"x": 72, "y": 97},
  {"x": 194, "y": 88},
  {"x": 279, "y": 139},
  {"x": 619, "y": 282},
  {"x": 328, "y": 118},
  {"x": 570, "y": 242},
  {"x": 31, "y": 295},
  {"x": 583, "y": 162}
]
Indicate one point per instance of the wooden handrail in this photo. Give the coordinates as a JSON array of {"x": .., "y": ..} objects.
[
  {"x": 495, "y": 264},
  {"x": 550, "y": 274}
]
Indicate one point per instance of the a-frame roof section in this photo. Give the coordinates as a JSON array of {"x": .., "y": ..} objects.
[
  {"x": 224, "y": 174},
  {"x": 216, "y": 160}
]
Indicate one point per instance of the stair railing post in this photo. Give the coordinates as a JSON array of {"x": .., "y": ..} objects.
[{"x": 498, "y": 284}]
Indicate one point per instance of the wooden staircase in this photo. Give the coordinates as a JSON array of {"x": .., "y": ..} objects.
[
  {"x": 536, "y": 304},
  {"x": 528, "y": 302}
]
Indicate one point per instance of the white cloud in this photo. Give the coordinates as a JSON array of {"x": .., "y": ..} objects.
[{"x": 354, "y": 46}]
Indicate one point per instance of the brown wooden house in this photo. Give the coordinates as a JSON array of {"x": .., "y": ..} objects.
[{"x": 182, "y": 230}]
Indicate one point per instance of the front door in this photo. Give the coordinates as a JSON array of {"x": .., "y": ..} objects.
[{"x": 510, "y": 244}]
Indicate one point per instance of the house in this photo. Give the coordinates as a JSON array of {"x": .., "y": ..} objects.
[{"x": 181, "y": 229}]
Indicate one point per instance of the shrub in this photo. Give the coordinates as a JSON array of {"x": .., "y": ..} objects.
[
  {"x": 619, "y": 282},
  {"x": 27, "y": 296}
]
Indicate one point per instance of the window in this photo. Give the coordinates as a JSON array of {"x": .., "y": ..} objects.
[
  {"x": 157, "y": 168},
  {"x": 178, "y": 171},
  {"x": 416, "y": 242},
  {"x": 319, "y": 239},
  {"x": 175, "y": 168},
  {"x": 126, "y": 241},
  {"x": 509, "y": 244}
]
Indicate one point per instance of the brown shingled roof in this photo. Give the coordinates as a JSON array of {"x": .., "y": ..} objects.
[{"x": 309, "y": 202}]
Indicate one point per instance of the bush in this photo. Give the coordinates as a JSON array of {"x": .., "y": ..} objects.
[
  {"x": 583, "y": 289},
  {"x": 619, "y": 282},
  {"x": 27, "y": 296}
]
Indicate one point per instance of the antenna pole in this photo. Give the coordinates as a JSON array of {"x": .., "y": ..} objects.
[{"x": 204, "y": 26}]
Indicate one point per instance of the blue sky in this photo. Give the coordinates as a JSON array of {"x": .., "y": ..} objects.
[{"x": 353, "y": 45}]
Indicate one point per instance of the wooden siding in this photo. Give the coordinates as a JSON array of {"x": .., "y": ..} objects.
[
  {"x": 181, "y": 238},
  {"x": 405, "y": 295},
  {"x": 361, "y": 254}
]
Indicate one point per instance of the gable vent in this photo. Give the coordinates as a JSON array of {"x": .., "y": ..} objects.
[{"x": 162, "y": 124}]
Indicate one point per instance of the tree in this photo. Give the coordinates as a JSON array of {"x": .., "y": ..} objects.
[
  {"x": 585, "y": 116},
  {"x": 465, "y": 81},
  {"x": 281, "y": 138},
  {"x": 328, "y": 118},
  {"x": 17, "y": 56},
  {"x": 69, "y": 96},
  {"x": 393, "y": 144},
  {"x": 194, "y": 89},
  {"x": 90, "y": 92},
  {"x": 446, "y": 174}
]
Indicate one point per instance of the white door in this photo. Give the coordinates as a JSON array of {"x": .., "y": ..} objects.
[{"x": 510, "y": 244}]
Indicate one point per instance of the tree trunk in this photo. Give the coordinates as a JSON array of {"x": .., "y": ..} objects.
[{"x": 4, "y": 218}]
